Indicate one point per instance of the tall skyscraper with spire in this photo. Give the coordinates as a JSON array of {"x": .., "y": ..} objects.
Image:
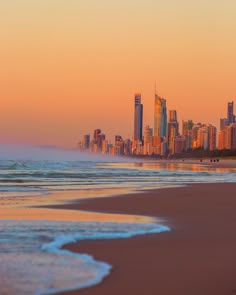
[
  {"x": 138, "y": 118},
  {"x": 160, "y": 116},
  {"x": 230, "y": 113}
]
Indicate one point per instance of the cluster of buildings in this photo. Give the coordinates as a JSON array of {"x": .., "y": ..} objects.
[
  {"x": 165, "y": 139},
  {"x": 99, "y": 144},
  {"x": 227, "y": 133}
]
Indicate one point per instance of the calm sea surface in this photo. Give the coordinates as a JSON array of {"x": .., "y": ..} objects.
[{"x": 31, "y": 261}]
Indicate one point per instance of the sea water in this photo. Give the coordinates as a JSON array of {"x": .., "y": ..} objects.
[
  {"x": 31, "y": 258},
  {"x": 31, "y": 261}
]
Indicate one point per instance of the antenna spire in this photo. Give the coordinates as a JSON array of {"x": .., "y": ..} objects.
[{"x": 155, "y": 88}]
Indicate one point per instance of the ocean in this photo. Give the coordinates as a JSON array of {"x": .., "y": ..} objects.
[{"x": 31, "y": 236}]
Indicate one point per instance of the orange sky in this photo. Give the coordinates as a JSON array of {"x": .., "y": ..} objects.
[{"x": 68, "y": 67}]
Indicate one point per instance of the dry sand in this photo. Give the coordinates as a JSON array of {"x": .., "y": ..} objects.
[{"x": 196, "y": 258}]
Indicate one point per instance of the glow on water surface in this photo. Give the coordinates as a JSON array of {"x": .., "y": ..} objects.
[{"x": 31, "y": 261}]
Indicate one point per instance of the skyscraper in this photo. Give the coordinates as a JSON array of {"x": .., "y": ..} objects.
[
  {"x": 226, "y": 138},
  {"x": 202, "y": 137},
  {"x": 119, "y": 145},
  {"x": 173, "y": 130},
  {"x": 86, "y": 141},
  {"x": 180, "y": 144},
  {"x": 147, "y": 146},
  {"x": 186, "y": 127},
  {"x": 223, "y": 123},
  {"x": 230, "y": 112},
  {"x": 138, "y": 118},
  {"x": 187, "y": 133},
  {"x": 233, "y": 134},
  {"x": 221, "y": 139},
  {"x": 173, "y": 123},
  {"x": 212, "y": 131},
  {"x": 230, "y": 136},
  {"x": 96, "y": 134},
  {"x": 195, "y": 138},
  {"x": 160, "y": 117},
  {"x": 100, "y": 138},
  {"x": 172, "y": 116}
]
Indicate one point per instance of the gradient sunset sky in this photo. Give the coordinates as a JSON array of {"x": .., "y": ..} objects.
[{"x": 70, "y": 66}]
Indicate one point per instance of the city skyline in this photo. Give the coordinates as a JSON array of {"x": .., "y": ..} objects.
[
  {"x": 70, "y": 66},
  {"x": 164, "y": 139}
]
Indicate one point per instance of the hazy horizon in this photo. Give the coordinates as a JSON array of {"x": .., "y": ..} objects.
[
  {"x": 23, "y": 152},
  {"x": 69, "y": 67}
]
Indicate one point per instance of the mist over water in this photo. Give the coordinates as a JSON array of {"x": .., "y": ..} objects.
[
  {"x": 40, "y": 169},
  {"x": 52, "y": 153}
]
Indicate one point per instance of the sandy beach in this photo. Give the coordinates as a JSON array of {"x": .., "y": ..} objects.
[
  {"x": 208, "y": 162},
  {"x": 196, "y": 257}
]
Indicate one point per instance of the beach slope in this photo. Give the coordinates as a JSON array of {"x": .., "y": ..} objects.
[{"x": 196, "y": 258}]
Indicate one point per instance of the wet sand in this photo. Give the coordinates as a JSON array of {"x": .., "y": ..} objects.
[
  {"x": 196, "y": 258},
  {"x": 210, "y": 162}
]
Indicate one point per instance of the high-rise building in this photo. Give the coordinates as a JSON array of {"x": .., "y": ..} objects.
[
  {"x": 96, "y": 133},
  {"x": 212, "y": 131},
  {"x": 230, "y": 113},
  {"x": 86, "y": 141},
  {"x": 119, "y": 145},
  {"x": 156, "y": 144},
  {"x": 93, "y": 146},
  {"x": 147, "y": 138},
  {"x": 196, "y": 136},
  {"x": 230, "y": 136},
  {"x": 206, "y": 137},
  {"x": 173, "y": 122},
  {"x": 180, "y": 144},
  {"x": 173, "y": 130},
  {"x": 223, "y": 123},
  {"x": 202, "y": 137},
  {"x": 127, "y": 147},
  {"x": 186, "y": 127},
  {"x": 105, "y": 146},
  {"x": 172, "y": 116},
  {"x": 138, "y": 118},
  {"x": 100, "y": 138},
  {"x": 221, "y": 139},
  {"x": 227, "y": 128},
  {"x": 233, "y": 133},
  {"x": 160, "y": 117},
  {"x": 164, "y": 147},
  {"x": 187, "y": 133},
  {"x": 96, "y": 143},
  {"x": 188, "y": 141}
]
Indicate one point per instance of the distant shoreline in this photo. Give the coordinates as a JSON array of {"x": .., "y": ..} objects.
[{"x": 212, "y": 162}]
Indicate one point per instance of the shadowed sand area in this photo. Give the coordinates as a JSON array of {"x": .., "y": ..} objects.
[{"x": 196, "y": 257}]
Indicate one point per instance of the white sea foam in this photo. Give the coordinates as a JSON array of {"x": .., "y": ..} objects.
[
  {"x": 35, "y": 263},
  {"x": 104, "y": 268}
]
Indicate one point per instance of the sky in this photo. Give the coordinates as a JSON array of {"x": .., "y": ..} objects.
[{"x": 68, "y": 67}]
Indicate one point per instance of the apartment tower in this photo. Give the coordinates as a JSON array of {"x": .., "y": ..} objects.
[
  {"x": 160, "y": 117},
  {"x": 138, "y": 118}
]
